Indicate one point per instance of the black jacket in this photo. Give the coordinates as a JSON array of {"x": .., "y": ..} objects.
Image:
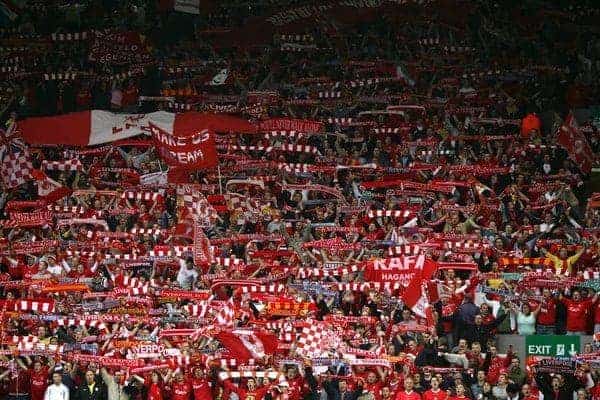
[
  {"x": 333, "y": 391},
  {"x": 564, "y": 393},
  {"x": 481, "y": 333},
  {"x": 83, "y": 392}
]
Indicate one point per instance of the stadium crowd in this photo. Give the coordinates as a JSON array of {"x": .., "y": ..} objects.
[{"x": 397, "y": 185}]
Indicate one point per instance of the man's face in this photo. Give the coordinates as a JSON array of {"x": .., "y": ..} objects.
[
  {"x": 385, "y": 392},
  {"x": 37, "y": 366},
  {"x": 89, "y": 377},
  {"x": 56, "y": 378},
  {"x": 291, "y": 373},
  {"x": 563, "y": 253},
  {"x": 576, "y": 296},
  {"x": 251, "y": 384},
  {"x": 371, "y": 378}
]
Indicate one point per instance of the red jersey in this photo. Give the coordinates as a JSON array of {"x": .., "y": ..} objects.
[
  {"x": 496, "y": 364},
  {"x": 404, "y": 395},
  {"x": 463, "y": 397},
  {"x": 597, "y": 314},
  {"x": 578, "y": 314},
  {"x": 130, "y": 96},
  {"x": 83, "y": 98},
  {"x": 243, "y": 394},
  {"x": 16, "y": 271},
  {"x": 39, "y": 383},
  {"x": 20, "y": 382},
  {"x": 155, "y": 392},
  {"x": 437, "y": 395},
  {"x": 447, "y": 311},
  {"x": 595, "y": 392},
  {"x": 374, "y": 388},
  {"x": 202, "y": 389},
  {"x": 181, "y": 390},
  {"x": 296, "y": 388},
  {"x": 547, "y": 313}
]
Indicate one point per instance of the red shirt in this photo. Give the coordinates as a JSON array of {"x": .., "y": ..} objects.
[
  {"x": 463, "y": 397},
  {"x": 547, "y": 314},
  {"x": 20, "y": 382},
  {"x": 597, "y": 314},
  {"x": 243, "y": 394},
  {"x": 374, "y": 388},
  {"x": 438, "y": 395},
  {"x": 202, "y": 389},
  {"x": 447, "y": 311},
  {"x": 15, "y": 271},
  {"x": 578, "y": 314},
  {"x": 154, "y": 392},
  {"x": 296, "y": 388},
  {"x": 404, "y": 395},
  {"x": 130, "y": 96},
  {"x": 39, "y": 383},
  {"x": 181, "y": 390},
  {"x": 595, "y": 392},
  {"x": 496, "y": 364}
]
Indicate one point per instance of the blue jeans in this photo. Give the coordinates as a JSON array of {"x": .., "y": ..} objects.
[{"x": 544, "y": 329}]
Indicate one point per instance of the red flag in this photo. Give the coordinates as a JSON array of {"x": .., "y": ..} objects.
[
  {"x": 415, "y": 295},
  {"x": 194, "y": 151},
  {"x": 244, "y": 345},
  {"x": 572, "y": 139},
  {"x": 49, "y": 189}
]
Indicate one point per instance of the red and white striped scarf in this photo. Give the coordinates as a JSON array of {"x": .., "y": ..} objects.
[{"x": 63, "y": 165}]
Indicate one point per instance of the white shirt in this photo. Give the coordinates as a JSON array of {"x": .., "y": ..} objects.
[
  {"x": 57, "y": 392},
  {"x": 185, "y": 277}
]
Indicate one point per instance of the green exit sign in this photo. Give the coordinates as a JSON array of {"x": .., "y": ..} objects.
[{"x": 552, "y": 345}]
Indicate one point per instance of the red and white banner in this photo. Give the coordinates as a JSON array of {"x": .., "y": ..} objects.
[
  {"x": 415, "y": 295},
  {"x": 244, "y": 345},
  {"x": 89, "y": 128},
  {"x": 397, "y": 269},
  {"x": 287, "y": 124},
  {"x": 119, "y": 48},
  {"x": 191, "y": 152},
  {"x": 32, "y": 219},
  {"x": 572, "y": 139}
]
